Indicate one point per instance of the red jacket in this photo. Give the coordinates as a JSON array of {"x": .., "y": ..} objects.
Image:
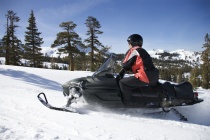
[{"x": 139, "y": 61}]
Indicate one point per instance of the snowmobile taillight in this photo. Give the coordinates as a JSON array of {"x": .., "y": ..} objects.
[{"x": 196, "y": 95}]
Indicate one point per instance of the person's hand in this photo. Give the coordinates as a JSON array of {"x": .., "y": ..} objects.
[{"x": 120, "y": 75}]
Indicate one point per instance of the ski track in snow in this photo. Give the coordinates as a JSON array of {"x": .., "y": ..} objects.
[{"x": 22, "y": 116}]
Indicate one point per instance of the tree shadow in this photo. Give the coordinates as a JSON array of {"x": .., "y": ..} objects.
[{"x": 32, "y": 79}]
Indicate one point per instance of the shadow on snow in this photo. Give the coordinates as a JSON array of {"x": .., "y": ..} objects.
[{"x": 32, "y": 79}]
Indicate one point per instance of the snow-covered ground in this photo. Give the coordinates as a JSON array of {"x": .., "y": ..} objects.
[{"x": 22, "y": 116}]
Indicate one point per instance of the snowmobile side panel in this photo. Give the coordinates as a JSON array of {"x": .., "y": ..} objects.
[
  {"x": 100, "y": 97},
  {"x": 101, "y": 90},
  {"x": 102, "y": 83},
  {"x": 151, "y": 102},
  {"x": 148, "y": 91}
]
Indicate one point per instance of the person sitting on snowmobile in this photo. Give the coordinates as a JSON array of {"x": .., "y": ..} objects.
[{"x": 140, "y": 63}]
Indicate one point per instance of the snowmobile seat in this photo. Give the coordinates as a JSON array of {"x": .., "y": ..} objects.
[
  {"x": 184, "y": 90},
  {"x": 169, "y": 90}
]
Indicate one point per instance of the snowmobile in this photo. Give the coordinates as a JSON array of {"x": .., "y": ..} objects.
[{"x": 103, "y": 89}]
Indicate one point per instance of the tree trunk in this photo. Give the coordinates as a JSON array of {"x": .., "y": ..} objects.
[
  {"x": 7, "y": 45},
  {"x": 92, "y": 53}
]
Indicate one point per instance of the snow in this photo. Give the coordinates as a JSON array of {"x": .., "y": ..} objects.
[
  {"x": 154, "y": 53},
  {"x": 2, "y": 60},
  {"x": 185, "y": 55},
  {"x": 190, "y": 56},
  {"x": 22, "y": 116},
  {"x": 52, "y": 52}
]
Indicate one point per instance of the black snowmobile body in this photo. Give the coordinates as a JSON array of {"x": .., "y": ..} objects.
[{"x": 102, "y": 89}]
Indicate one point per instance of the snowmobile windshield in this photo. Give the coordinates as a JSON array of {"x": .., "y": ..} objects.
[{"x": 107, "y": 68}]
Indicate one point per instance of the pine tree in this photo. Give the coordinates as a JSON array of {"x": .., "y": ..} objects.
[
  {"x": 10, "y": 43},
  {"x": 102, "y": 54},
  {"x": 33, "y": 43},
  {"x": 206, "y": 63},
  {"x": 69, "y": 41},
  {"x": 92, "y": 41},
  {"x": 2, "y": 54},
  {"x": 194, "y": 77},
  {"x": 16, "y": 51},
  {"x": 179, "y": 76}
]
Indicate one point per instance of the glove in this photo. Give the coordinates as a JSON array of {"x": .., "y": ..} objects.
[{"x": 120, "y": 75}]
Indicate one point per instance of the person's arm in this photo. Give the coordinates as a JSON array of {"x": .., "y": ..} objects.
[
  {"x": 128, "y": 64},
  {"x": 122, "y": 73}
]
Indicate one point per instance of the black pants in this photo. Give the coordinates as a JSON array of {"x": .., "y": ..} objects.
[{"x": 127, "y": 85}]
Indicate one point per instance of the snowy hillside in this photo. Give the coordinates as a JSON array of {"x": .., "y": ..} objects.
[
  {"x": 194, "y": 58},
  {"x": 52, "y": 52},
  {"x": 180, "y": 54},
  {"x": 155, "y": 53},
  {"x": 22, "y": 116}
]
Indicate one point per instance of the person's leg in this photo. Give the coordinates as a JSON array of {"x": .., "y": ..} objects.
[{"x": 126, "y": 86}]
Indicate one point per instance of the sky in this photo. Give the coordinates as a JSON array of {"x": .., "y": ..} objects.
[{"x": 163, "y": 24}]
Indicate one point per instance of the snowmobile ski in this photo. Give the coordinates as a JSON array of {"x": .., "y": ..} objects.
[{"x": 45, "y": 103}]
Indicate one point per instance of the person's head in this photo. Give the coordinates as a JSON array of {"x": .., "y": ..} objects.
[{"x": 135, "y": 40}]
